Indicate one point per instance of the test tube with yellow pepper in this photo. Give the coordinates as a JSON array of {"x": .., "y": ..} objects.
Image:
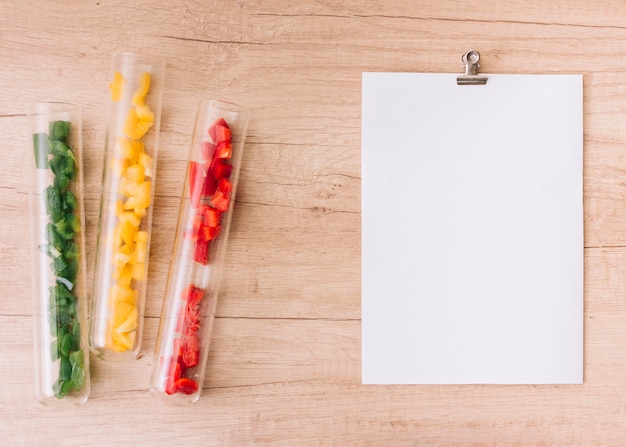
[{"x": 132, "y": 140}]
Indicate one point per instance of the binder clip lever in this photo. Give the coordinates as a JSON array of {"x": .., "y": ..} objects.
[{"x": 471, "y": 77}]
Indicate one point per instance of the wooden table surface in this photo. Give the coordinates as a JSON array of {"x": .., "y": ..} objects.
[{"x": 285, "y": 360}]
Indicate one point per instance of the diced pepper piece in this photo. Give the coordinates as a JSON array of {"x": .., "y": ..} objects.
[
  {"x": 143, "y": 194},
  {"x": 225, "y": 186},
  {"x": 138, "y": 271},
  {"x": 220, "y": 169},
  {"x": 220, "y": 200},
  {"x": 207, "y": 150},
  {"x": 129, "y": 230},
  {"x": 136, "y": 127},
  {"x": 219, "y": 131},
  {"x": 142, "y": 110},
  {"x": 192, "y": 295},
  {"x": 224, "y": 150},
  {"x": 140, "y": 212},
  {"x": 144, "y": 113},
  {"x": 210, "y": 233},
  {"x": 125, "y": 276},
  {"x": 59, "y": 130},
  {"x": 122, "y": 294},
  {"x": 125, "y": 341},
  {"x": 130, "y": 323},
  {"x": 116, "y": 86},
  {"x": 128, "y": 216},
  {"x": 172, "y": 368},
  {"x": 139, "y": 97},
  {"x": 130, "y": 203},
  {"x": 121, "y": 311},
  {"x": 185, "y": 386},
  {"x": 145, "y": 161},
  {"x": 141, "y": 252},
  {"x": 53, "y": 203},
  {"x": 190, "y": 351},
  {"x": 209, "y": 186},
  {"x": 70, "y": 201},
  {"x": 141, "y": 236},
  {"x": 201, "y": 252},
  {"x": 212, "y": 216},
  {"x": 135, "y": 173},
  {"x": 129, "y": 149}
]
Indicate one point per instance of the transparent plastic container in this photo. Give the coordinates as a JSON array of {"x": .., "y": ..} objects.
[
  {"x": 128, "y": 181},
  {"x": 198, "y": 256},
  {"x": 57, "y": 254}
]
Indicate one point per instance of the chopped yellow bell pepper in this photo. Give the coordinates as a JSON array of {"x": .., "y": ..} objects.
[
  {"x": 121, "y": 294},
  {"x": 130, "y": 203},
  {"x": 121, "y": 311},
  {"x": 130, "y": 149},
  {"x": 143, "y": 195},
  {"x": 116, "y": 86},
  {"x": 135, "y": 127},
  {"x": 135, "y": 173},
  {"x": 123, "y": 342},
  {"x": 132, "y": 166},
  {"x": 140, "y": 212},
  {"x": 128, "y": 233},
  {"x": 146, "y": 161},
  {"x": 130, "y": 217},
  {"x": 138, "y": 271},
  {"x": 125, "y": 276},
  {"x": 141, "y": 249},
  {"x": 139, "y": 97},
  {"x": 129, "y": 324}
]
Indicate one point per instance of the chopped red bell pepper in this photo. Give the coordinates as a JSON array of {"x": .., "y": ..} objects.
[
  {"x": 220, "y": 200},
  {"x": 220, "y": 169},
  {"x": 186, "y": 386},
  {"x": 219, "y": 131},
  {"x": 190, "y": 350},
  {"x": 212, "y": 216},
  {"x": 209, "y": 186},
  {"x": 200, "y": 184},
  {"x": 193, "y": 295},
  {"x": 207, "y": 150},
  {"x": 201, "y": 252},
  {"x": 210, "y": 233},
  {"x": 225, "y": 186},
  {"x": 191, "y": 327},
  {"x": 173, "y": 373},
  {"x": 224, "y": 150}
]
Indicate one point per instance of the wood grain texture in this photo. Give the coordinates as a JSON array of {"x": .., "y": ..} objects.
[{"x": 284, "y": 367}]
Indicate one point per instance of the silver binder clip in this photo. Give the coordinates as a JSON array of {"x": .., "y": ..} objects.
[{"x": 471, "y": 76}]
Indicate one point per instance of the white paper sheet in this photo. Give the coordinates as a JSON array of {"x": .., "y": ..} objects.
[{"x": 472, "y": 229}]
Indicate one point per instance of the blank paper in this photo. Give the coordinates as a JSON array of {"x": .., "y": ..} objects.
[{"x": 472, "y": 229}]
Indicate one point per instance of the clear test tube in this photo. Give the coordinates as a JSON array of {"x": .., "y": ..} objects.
[
  {"x": 199, "y": 248},
  {"x": 128, "y": 182},
  {"x": 57, "y": 254}
]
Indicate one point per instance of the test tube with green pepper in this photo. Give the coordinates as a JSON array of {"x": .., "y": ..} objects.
[{"x": 58, "y": 263}]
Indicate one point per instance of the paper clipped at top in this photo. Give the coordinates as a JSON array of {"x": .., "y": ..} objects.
[{"x": 472, "y": 229}]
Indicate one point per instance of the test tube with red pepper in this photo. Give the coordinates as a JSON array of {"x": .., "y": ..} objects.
[
  {"x": 131, "y": 147},
  {"x": 57, "y": 253},
  {"x": 199, "y": 248}
]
